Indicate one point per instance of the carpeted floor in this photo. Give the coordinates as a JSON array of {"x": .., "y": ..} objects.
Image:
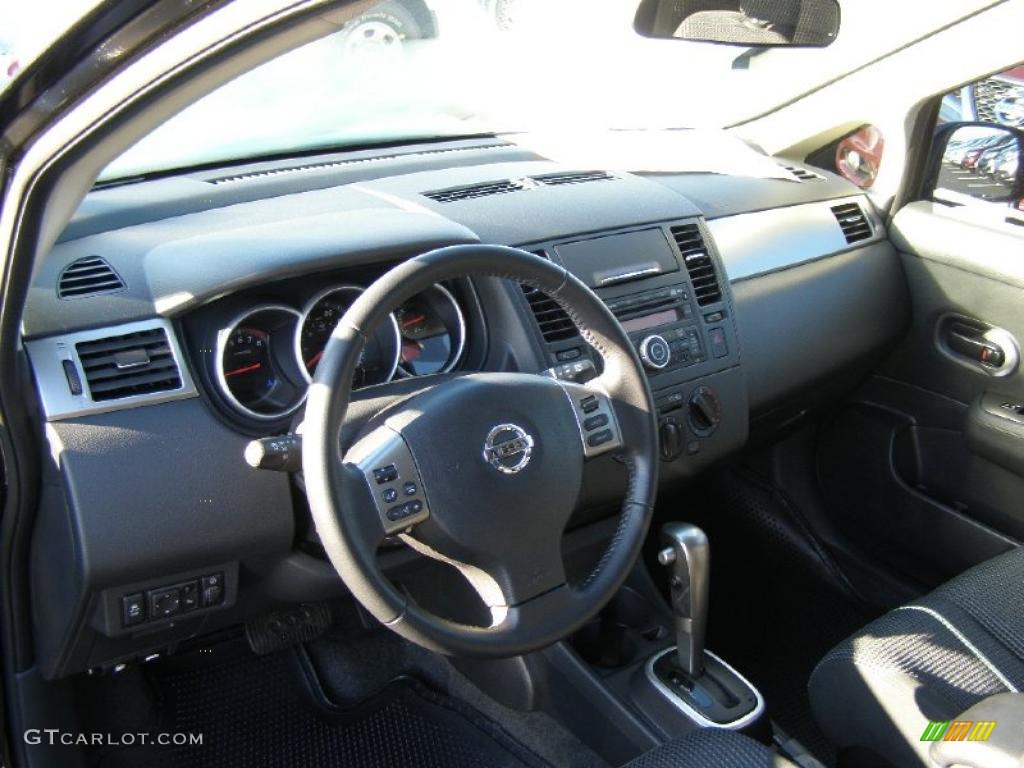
[{"x": 359, "y": 699}]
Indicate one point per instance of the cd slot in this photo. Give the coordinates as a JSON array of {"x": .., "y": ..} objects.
[
  {"x": 649, "y": 302},
  {"x": 645, "y": 309}
]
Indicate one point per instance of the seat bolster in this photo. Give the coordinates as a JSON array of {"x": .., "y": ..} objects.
[
  {"x": 878, "y": 689},
  {"x": 711, "y": 747}
]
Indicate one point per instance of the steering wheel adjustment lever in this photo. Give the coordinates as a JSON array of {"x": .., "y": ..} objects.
[{"x": 391, "y": 476}]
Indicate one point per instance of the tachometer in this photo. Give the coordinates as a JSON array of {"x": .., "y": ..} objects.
[
  {"x": 251, "y": 372},
  {"x": 433, "y": 332},
  {"x": 322, "y": 313}
]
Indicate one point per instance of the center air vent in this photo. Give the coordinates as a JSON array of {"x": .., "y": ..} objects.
[
  {"x": 453, "y": 194},
  {"x": 87, "y": 277},
  {"x": 578, "y": 177},
  {"x": 553, "y": 322},
  {"x": 698, "y": 263},
  {"x": 854, "y": 223},
  {"x": 137, "y": 363}
]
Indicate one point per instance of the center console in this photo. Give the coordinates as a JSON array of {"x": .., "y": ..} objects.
[{"x": 666, "y": 285}]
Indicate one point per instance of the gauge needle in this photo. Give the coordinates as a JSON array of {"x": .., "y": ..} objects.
[
  {"x": 413, "y": 320},
  {"x": 314, "y": 359},
  {"x": 244, "y": 369}
]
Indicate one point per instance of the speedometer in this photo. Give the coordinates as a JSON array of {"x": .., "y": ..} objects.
[{"x": 380, "y": 356}]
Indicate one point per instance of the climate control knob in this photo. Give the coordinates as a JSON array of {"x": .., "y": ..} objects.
[
  {"x": 655, "y": 352},
  {"x": 705, "y": 411}
]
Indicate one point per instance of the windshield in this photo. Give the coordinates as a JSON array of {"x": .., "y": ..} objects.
[{"x": 421, "y": 69}]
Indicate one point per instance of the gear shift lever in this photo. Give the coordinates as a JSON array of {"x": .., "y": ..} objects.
[{"x": 689, "y": 556}]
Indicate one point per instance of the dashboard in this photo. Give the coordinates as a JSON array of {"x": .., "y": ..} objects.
[{"x": 178, "y": 319}]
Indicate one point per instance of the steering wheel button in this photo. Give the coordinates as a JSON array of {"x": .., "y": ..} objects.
[
  {"x": 595, "y": 421},
  {"x": 589, "y": 404},
  {"x": 599, "y": 438},
  {"x": 390, "y": 495},
  {"x": 403, "y": 511},
  {"x": 386, "y": 474},
  {"x": 410, "y": 489}
]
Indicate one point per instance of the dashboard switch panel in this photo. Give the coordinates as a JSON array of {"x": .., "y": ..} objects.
[{"x": 156, "y": 603}]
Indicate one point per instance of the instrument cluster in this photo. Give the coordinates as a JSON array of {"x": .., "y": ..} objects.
[{"x": 265, "y": 357}]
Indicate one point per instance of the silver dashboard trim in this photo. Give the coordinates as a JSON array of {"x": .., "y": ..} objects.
[
  {"x": 47, "y": 356},
  {"x": 691, "y": 713},
  {"x": 757, "y": 243}
]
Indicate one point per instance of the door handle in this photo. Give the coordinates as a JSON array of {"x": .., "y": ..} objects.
[
  {"x": 977, "y": 345},
  {"x": 971, "y": 343}
]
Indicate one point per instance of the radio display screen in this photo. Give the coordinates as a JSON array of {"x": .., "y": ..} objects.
[{"x": 650, "y": 321}]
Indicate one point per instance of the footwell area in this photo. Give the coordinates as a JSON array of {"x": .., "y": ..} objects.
[
  {"x": 270, "y": 711},
  {"x": 777, "y": 603}
]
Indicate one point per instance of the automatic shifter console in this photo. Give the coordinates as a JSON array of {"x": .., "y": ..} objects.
[{"x": 696, "y": 681}]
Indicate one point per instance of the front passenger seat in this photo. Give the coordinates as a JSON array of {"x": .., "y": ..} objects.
[{"x": 875, "y": 693}]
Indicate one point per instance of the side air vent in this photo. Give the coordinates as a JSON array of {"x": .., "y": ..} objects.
[
  {"x": 698, "y": 263},
  {"x": 854, "y": 223},
  {"x": 579, "y": 177},
  {"x": 137, "y": 363},
  {"x": 802, "y": 174},
  {"x": 87, "y": 277},
  {"x": 552, "y": 321},
  {"x": 454, "y": 194}
]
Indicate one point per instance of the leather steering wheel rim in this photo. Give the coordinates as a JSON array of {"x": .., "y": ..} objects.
[{"x": 341, "y": 498}]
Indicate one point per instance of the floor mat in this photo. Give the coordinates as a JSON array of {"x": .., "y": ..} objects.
[
  {"x": 256, "y": 712},
  {"x": 777, "y": 605}
]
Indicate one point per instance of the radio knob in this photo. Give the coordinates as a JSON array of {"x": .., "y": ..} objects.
[{"x": 655, "y": 352}]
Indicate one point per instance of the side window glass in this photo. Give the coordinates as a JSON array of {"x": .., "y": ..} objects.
[{"x": 980, "y": 136}]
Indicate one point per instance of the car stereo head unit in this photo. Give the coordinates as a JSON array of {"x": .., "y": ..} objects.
[{"x": 660, "y": 324}]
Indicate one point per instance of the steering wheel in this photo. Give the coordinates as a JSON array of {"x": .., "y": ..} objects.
[{"x": 481, "y": 470}]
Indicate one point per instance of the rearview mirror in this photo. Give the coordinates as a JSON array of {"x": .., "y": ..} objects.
[
  {"x": 979, "y": 161},
  {"x": 800, "y": 23}
]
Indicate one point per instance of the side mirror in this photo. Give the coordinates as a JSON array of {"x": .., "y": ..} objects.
[
  {"x": 977, "y": 161},
  {"x": 799, "y": 23}
]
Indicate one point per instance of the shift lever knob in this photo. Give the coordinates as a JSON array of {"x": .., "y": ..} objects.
[{"x": 688, "y": 555}]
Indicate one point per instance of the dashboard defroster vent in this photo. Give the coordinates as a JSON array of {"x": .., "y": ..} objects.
[
  {"x": 87, "y": 277},
  {"x": 553, "y": 322},
  {"x": 504, "y": 186},
  {"x": 454, "y": 194},
  {"x": 802, "y": 174},
  {"x": 137, "y": 363},
  {"x": 854, "y": 223},
  {"x": 577, "y": 177},
  {"x": 699, "y": 263}
]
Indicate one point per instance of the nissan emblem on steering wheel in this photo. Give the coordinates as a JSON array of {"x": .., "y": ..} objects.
[{"x": 508, "y": 448}]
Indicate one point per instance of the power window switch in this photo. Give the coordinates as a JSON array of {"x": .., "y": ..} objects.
[{"x": 133, "y": 609}]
